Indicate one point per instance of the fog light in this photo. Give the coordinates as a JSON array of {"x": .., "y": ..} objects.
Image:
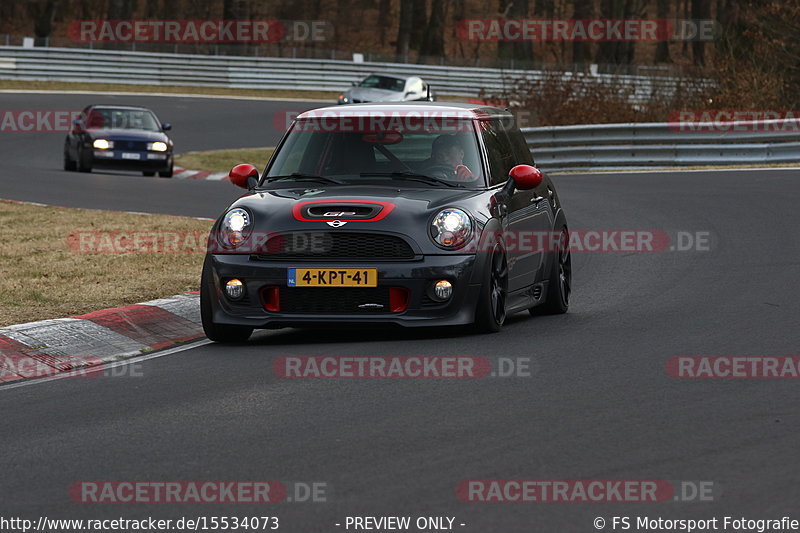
[
  {"x": 442, "y": 290},
  {"x": 234, "y": 289}
]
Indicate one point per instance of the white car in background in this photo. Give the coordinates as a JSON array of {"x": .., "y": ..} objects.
[{"x": 387, "y": 88}]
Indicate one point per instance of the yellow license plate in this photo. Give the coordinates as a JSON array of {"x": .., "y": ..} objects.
[{"x": 332, "y": 277}]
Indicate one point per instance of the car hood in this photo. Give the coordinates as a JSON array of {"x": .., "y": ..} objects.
[
  {"x": 407, "y": 211},
  {"x": 128, "y": 135},
  {"x": 370, "y": 94}
]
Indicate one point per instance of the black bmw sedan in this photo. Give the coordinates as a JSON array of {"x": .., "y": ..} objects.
[
  {"x": 407, "y": 214},
  {"x": 119, "y": 138}
]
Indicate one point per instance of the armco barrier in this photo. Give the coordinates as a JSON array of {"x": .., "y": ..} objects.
[
  {"x": 664, "y": 144},
  {"x": 555, "y": 148},
  {"x": 112, "y": 66}
]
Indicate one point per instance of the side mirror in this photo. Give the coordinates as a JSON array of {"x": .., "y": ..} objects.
[
  {"x": 244, "y": 176},
  {"x": 166, "y": 126},
  {"x": 525, "y": 177},
  {"x": 77, "y": 125}
]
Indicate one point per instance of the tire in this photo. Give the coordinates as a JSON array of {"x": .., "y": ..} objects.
[
  {"x": 69, "y": 164},
  {"x": 491, "y": 312},
  {"x": 560, "y": 286},
  {"x": 222, "y": 333},
  {"x": 166, "y": 173},
  {"x": 84, "y": 163},
  {"x": 148, "y": 173}
]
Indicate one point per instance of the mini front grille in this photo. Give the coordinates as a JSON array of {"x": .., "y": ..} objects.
[
  {"x": 334, "y": 300},
  {"x": 334, "y": 245}
]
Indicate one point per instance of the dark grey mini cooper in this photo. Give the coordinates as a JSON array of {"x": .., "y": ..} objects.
[{"x": 422, "y": 214}]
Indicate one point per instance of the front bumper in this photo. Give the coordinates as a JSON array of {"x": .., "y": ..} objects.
[
  {"x": 131, "y": 160},
  {"x": 259, "y": 277}
]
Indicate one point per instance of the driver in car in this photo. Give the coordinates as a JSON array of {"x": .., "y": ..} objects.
[{"x": 447, "y": 159}]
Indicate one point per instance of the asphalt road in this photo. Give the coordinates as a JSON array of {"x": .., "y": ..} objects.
[{"x": 598, "y": 405}]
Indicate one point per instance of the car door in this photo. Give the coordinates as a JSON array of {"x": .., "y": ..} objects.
[
  {"x": 541, "y": 218},
  {"x": 526, "y": 218}
]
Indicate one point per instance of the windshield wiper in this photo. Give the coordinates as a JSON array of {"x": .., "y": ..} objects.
[
  {"x": 411, "y": 176},
  {"x": 297, "y": 176}
]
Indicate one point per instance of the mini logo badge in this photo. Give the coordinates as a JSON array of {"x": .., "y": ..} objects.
[{"x": 336, "y": 223}]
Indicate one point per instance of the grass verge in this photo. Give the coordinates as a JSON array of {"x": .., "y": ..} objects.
[
  {"x": 42, "y": 276},
  {"x": 224, "y": 160}
]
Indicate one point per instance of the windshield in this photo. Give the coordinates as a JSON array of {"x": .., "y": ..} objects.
[
  {"x": 403, "y": 152},
  {"x": 384, "y": 82},
  {"x": 122, "y": 119}
]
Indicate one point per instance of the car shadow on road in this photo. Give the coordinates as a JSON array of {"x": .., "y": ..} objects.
[{"x": 335, "y": 334}]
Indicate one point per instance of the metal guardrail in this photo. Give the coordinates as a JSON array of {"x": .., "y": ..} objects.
[
  {"x": 664, "y": 144},
  {"x": 113, "y": 66},
  {"x": 555, "y": 148}
]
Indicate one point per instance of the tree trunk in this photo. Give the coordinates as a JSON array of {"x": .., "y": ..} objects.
[
  {"x": 404, "y": 31},
  {"x": 701, "y": 10},
  {"x": 419, "y": 19},
  {"x": 384, "y": 18},
  {"x": 662, "y": 48},
  {"x": 433, "y": 39},
  {"x": 580, "y": 49}
]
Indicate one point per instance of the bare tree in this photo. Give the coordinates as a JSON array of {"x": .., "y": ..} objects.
[
  {"x": 404, "y": 23},
  {"x": 662, "y": 48},
  {"x": 433, "y": 39}
]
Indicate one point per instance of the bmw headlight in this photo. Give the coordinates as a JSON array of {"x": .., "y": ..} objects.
[
  {"x": 157, "y": 146},
  {"x": 103, "y": 144},
  {"x": 235, "y": 228},
  {"x": 451, "y": 228}
]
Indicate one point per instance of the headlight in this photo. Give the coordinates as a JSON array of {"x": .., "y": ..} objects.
[
  {"x": 102, "y": 144},
  {"x": 343, "y": 99},
  {"x": 157, "y": 146},
  {"x": 235, "y": 228},
  {"x": 451, "y": 228}
]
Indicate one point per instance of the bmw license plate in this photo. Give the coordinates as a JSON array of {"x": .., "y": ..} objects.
[
  {"x": 130, "y": 155},
  {"x": 332, "y": 277}
]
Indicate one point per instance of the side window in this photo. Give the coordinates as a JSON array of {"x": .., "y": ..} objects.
[
  {"x": 291, "y": 158},
  {"x": 498, "y": 148},
  {"x": 522, "y": 152}
]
